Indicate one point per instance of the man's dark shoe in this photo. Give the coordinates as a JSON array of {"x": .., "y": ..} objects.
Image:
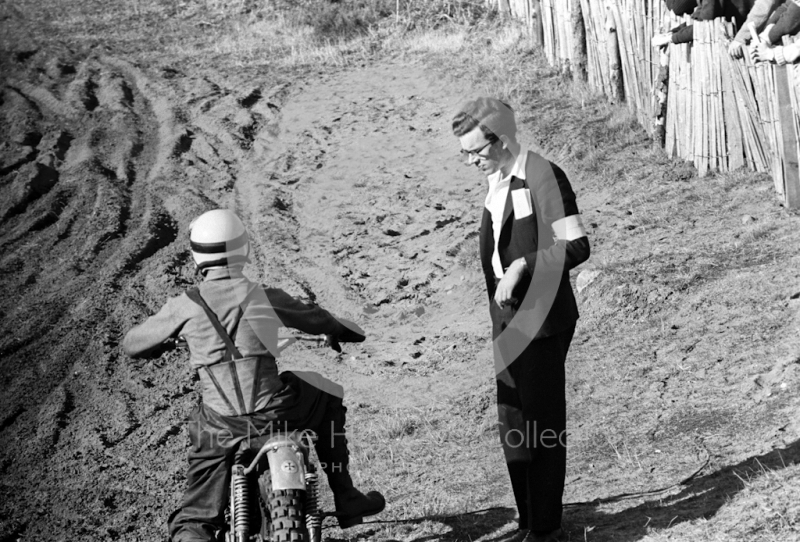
[
  {"x": 352, "y": 506},
  {"x": 538, "y": 536}
]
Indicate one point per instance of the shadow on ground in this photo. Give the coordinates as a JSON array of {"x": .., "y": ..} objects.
[
  {"x": 461, "y": 527},
  {"x": 700, "y": 498}
]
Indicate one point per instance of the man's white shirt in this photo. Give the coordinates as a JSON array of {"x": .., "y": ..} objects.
[{"x": 496, "y": 202}]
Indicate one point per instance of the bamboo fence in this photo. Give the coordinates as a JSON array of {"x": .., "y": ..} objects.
[{"x": 721, "y": 113}]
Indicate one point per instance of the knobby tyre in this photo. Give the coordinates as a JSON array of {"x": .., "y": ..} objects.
[{"x": 287, "y": 523}]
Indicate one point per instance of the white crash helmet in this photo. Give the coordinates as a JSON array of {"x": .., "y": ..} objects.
[{"x": 219, "y": 238}]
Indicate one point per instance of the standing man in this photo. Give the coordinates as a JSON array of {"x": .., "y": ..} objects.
[{"x": 530, "y": 237}]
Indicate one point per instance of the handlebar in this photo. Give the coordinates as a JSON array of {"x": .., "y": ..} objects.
[{"x": 284, "y": 342}]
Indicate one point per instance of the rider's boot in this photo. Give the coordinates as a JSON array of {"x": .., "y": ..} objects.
[{"x": 351, "y": 504}]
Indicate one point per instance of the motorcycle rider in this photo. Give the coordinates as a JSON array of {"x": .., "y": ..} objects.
[{"x": 246, "y": 397}]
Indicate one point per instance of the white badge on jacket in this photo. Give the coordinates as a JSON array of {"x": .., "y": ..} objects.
[{"x": 522, "y": 203}]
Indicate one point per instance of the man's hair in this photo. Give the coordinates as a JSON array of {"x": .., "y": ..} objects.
[{"x": 494, "y": 117}]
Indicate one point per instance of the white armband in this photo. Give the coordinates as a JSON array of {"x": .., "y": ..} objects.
[{"x": 569, "y": 228}]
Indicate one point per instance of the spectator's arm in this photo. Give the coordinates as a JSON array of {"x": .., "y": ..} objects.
[
  {"x": 707, "y": 11},
  {"x": 788, "y": 24},
  {"x": 683, "y": 34},
  {"x": 758, "y": 16},
  {"x": 777, "y": 14},
  {"x": 787, "y": 54}
]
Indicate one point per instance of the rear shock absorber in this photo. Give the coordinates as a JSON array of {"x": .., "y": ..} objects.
[
  {"x": 312, "y": 508},
  {"x": 240, "y": 504}
]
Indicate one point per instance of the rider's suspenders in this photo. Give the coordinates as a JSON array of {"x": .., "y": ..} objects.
[{"x": 231, "y": 357}]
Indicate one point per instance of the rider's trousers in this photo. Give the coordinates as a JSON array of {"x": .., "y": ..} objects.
[
  {"x": 532, "y": 412},
  {"x": 215, "y": 439}
]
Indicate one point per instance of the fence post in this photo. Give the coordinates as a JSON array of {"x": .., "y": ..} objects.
[
  {"x": 662, "y": 93},
  {"x": 579, "y": 42},
  {"x": 614, "y": 61},
  {"x": 538, "y": 26},
  {"x": 791, "y": 174}
]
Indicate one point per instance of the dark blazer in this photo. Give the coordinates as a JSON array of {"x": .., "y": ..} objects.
[{"x": 532, "y": 238}]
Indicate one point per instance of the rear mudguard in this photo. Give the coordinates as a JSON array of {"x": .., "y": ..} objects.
[{"x": 287, "y": 463}]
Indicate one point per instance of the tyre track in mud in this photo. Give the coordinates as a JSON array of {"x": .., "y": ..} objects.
[{"x": 89, "y": 204}]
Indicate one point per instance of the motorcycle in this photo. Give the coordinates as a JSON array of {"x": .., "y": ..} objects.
[
  {"x": 283, "y": 503},
  {"x": 274, "y": 496},
  {"x": 274, "y": 489}
]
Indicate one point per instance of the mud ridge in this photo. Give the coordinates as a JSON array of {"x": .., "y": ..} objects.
[
  {"x": 161, "y": 232},
  {"x": 39, "y": 96},
  {"x": 36, "y": 182},
  {"x": 9, "y": 420}
]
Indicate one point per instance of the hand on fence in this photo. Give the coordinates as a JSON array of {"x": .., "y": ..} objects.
[
  {"x": 762, "y": 53},
  {"x": 662, "y": 40},
  {"x": 736, "y": 49}
]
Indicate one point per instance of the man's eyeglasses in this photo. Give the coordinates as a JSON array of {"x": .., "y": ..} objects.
[{"x": 477, "y": 152}]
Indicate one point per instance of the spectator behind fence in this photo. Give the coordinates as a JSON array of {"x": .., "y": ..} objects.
[
  {"x": 784, "y": 22},
  {"x": 708, "y": 10}
]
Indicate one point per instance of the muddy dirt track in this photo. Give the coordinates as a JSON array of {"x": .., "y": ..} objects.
[
  {"x": 104, "y": 168},
  {"x": 356, "y": 199}
]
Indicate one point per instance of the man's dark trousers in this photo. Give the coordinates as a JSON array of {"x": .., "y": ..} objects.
[{"x": 531, "y": 406}]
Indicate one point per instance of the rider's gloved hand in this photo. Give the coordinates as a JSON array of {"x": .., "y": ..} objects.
[
  {"x": 332, "y": 341},
  {"x": 349, "y": 332}
]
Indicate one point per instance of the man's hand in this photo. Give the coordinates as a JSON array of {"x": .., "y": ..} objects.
[
  {"x": 505, "y": 288},
  {"x": 762, "y": 53},
  {"x": 662, "y": 40},
  {"x": 736, "y": 49}
]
